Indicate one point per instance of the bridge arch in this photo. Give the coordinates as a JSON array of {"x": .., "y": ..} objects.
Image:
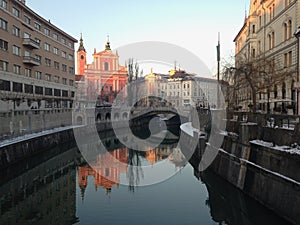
[
  {"x": 125, "y": 115},
  {"x": 107, "y": 116},
  {"x": 116, "y": 116},
  {"x": 79, "y": 120},
  {"x": 98, "y": 117}
]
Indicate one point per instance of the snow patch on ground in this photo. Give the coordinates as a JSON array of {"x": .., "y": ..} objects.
[
  {"x": 34, "y": 135},
  {"x": 284, "y": 148},
  {"x": 189, "y": 129}
]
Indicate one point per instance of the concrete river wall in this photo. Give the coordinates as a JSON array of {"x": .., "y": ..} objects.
[{"x": 258, "y": 161}]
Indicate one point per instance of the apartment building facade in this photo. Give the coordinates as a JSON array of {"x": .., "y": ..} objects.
[
  {"x": 36, "y": 66},
  {"x": 266, "y": 41},
  {"x": 181, "y": 89}
]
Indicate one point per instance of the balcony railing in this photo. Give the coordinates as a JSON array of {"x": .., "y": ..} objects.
[
  {"x": 31, "y": 43},
  {"x": 31, "y": 60}
]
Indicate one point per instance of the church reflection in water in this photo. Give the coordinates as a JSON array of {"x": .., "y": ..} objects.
[
  {"x": 106, "y": 170},
  {"x": 108, "y": 167}
]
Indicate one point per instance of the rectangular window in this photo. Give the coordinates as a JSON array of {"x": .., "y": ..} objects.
[
  {"x": 27, "y": 19},
  {"x": 16, "y": 50},
  {"x": 17, "y": 87},
  {"x": 71, "y": 57},
  {"x": 27, "y": 53},
  {"x": 47, "y": 62},
  {"x": 16, "y": 31},
  {"x": 260, "y": 21},
  {"x": 17, "y": 69},
  {"x": 63, "y": 41},
  {"x": 56, "y": 79},
  {"x": 48, "y": 91},
  {"x": 26, "y": 35},
  {"x": 3, "y": 65},
  {"x": 37, "y": 26},
  {"x": 285, "y": 60},
  {"x": 3, "y": 24},
  {"x": 70, "y": 45},
  {"x": 3, "y": 4},
  {"x": 290, "y": 58},
  {"x": 65, "y": 93},
  {"x": 71, "y": 70},
  {"x": 57, "y": 92},
  {"x": 38, "y": 75},
  {"x": 55, "y": 36},
  {"x": 3, "y": 45},
  {"x": 27, "y": 72},
  {"x": 64, "y": 81},
  {"x": 47, "y": 47},
  {"x": 28, "y": 88},
  {"x": 56, "y": 65},
  {"x": 46, "y": 31},
  {"x": 4, "y": 85},
  {"x": 71, "y": 82},
  {"x": 38, "y": 58},
  {"x": 253, "y": 53},
  {"x": 55, "y": 50},
  {"x": 48, "y": 77},
  {"x": 38, "y": 90},
  {"x": 64, "y": 68},
  {"x": 63, "y": 54},
  {"x": 16, "y": 12}
]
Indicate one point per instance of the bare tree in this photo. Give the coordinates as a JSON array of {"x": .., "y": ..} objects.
[
  {"x": 133, "y": 74},
  {"x": 254, "y": 75}
]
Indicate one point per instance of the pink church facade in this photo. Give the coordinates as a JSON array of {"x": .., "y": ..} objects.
[{"x": 104, "y": 77}]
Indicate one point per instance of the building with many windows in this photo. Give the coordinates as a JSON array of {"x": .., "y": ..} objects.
[
  {"x": 36, "y": 70},
  {"x": 180, "y": 88},
  {"x": 267, "y": 42}
]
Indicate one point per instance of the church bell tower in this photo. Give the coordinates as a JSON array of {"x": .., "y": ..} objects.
[{"x": 81, "y": 58}]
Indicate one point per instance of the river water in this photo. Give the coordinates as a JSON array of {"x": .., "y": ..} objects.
[{"x": 61, "y": 188}]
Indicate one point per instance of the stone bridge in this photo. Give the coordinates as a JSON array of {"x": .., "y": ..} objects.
[{"x": 91, "y": 115}]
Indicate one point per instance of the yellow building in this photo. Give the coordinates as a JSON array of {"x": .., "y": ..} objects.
[{"x": 267, "y": 42}]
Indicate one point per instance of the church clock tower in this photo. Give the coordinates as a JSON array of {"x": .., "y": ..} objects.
[{"x": 81, "y": 58}]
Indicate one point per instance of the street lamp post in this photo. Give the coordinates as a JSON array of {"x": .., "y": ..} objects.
[{"x": 297, "y": 35}]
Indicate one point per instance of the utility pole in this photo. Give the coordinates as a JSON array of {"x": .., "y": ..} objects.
[{"x": 218, "y": 73}]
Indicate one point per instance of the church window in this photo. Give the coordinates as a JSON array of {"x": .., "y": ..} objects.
[{"x": 106, "y": 66}]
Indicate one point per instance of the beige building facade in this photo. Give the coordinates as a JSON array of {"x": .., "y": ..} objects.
[
  {"x": 181, "y": 89},
  {"x": 36, "y": 65},
  {"x": 267, "y": 41}
]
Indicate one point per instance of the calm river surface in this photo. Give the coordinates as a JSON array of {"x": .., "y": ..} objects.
[{"x": 61, "y": 188}]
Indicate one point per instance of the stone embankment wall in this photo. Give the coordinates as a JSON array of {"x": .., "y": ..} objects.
[
  {"x": 252, "y": 159},
  {"x": 26, "y": 122},
  {"x": 15, "y": 152}
]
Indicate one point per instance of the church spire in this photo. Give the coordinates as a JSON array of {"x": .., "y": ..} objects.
[
  {"x": 107, "y": 46},
  {"x": 81, "y": 47}
]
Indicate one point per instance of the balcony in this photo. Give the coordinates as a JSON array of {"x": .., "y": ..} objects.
[
  {"x": 31, "y": 61},
  {"x": 31, "y": 43}
]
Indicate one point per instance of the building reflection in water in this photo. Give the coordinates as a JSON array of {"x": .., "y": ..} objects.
[
  {"x": 108, "y": 167},
  {"x": 106, "y": 170},
  {"x": 45, "y": 194}
]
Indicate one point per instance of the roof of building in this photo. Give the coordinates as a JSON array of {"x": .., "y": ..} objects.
[{"x": 21, "y": 4}]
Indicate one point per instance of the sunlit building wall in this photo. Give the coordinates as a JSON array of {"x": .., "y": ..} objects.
[
  {"x": 36, "y": 70},
  {"x": 267, "y": 36}
]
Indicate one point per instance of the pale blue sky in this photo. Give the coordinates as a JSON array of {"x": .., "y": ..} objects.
[{"x": 191, "y": 24}]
